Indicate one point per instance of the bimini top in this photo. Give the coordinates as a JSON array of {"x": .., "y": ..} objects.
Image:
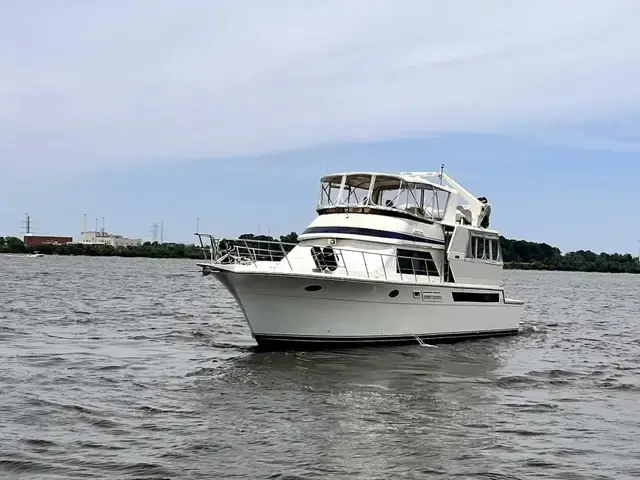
[
  {"x": 427, "y": 196},
  {"x": 407, "y": 177}
]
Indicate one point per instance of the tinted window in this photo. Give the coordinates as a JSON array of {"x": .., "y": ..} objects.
[
  {"x": 415, "y": 262},
  {"x": 483, "y": 248},
  {"x": 495, "y": 249},
  {"x": 479, "y": 247},
  {"x": 324, "y": 258},
  {"x": 476, "y": 297}
]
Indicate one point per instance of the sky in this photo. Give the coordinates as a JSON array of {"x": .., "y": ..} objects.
[{"x": 157, "y": 110}]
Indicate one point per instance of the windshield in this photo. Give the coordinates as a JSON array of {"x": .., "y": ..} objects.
[
  {"x": 356, "y": 190},
  {"x": 416, "y": 198},
  {"x": 330, "y": 191}
]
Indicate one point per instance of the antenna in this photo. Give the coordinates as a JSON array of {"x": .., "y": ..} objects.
[
  {"x": 441, "y": 172},
  {"x": 103, "y": 226},
  {"x": 84, "y": 223},
  {"x": 197, "y": 224}
]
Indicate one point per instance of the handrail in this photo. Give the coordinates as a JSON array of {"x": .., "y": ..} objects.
[{"x": 250, "y": 252}]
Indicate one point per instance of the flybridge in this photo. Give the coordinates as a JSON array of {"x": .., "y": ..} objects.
[{"x": 424, "y": 196}]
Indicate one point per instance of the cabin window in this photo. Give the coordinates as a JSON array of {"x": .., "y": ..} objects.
[
  {"x": 484, "y": 247},
  {"x": 495, "y": 249},
  {"x": 479, "y": 297},
  {"x": 324, "y": 258},
  {"x": 416, "y": 262},
  {"x": 479, "y": 249}
]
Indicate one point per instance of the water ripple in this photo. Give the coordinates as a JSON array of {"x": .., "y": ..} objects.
[{"x": 140, "y": 368}]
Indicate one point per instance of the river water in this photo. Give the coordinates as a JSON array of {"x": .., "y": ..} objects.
[{"x": 139, "y": 368}]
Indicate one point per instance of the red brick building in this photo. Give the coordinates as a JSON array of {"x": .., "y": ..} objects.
[{"x": 34, "y": 241}]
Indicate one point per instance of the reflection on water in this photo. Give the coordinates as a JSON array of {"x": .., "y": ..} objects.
[{"x": 355, "y": 406}]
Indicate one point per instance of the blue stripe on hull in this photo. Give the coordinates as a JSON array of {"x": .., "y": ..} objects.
[
  {"x": 286, "y": 342},
  {"x": 372, "y": 232}
]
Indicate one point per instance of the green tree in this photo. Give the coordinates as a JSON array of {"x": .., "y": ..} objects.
[{"x": 14, "y": 245}]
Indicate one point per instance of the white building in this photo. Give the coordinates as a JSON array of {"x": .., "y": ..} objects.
[{"x": 104, "y": 238}]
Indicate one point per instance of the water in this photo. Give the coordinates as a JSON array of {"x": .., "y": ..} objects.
[{"x": 138, "y": 368}]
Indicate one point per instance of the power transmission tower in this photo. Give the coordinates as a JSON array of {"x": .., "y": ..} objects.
[
  {"x": 27, "y": 224},
  {"x": 154, "y": 231}
]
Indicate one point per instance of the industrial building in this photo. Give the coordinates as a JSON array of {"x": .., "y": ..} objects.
[
  {"x": 96, "y": 237},
  {"x": 102, "y": 237},
  {"x": 35, "y": 241},
  {"x": 105, "y": 238}
]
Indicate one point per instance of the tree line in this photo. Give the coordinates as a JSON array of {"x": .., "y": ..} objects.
[
  {"x": 516, "y": 254},
  {"x": 524, "y": 255},
  {"x": 148, "y": 249}
]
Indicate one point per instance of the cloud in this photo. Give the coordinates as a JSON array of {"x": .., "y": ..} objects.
[{"x": 93, "y": 84}]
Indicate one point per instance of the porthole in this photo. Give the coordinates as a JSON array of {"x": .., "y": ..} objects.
[
  {"x": 394, "y": 293},
  {"x": 313, "y": 288}
]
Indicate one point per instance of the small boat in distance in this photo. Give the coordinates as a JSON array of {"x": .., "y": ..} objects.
[
  {"x": 390, "y": 258},
  {"x": 36, "y": 254}
]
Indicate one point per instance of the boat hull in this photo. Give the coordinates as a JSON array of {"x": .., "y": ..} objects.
[{"x": 294, "y": 311}]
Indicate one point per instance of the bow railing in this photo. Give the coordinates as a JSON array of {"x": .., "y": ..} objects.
[{"x": 329, "y": 259}]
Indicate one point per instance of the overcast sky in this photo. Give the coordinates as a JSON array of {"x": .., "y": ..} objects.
[{"x": 92, "y": 85}]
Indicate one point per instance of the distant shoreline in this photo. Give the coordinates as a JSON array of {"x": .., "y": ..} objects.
[
  {"x": 533, "y": 266},
  {"x": 517, "y": 254},
  {"x": 148, "y": 250},
  {"x": 541, "y": 268}
]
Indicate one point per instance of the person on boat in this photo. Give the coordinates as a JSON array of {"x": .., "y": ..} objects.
[{"x": 485, "y": 212}]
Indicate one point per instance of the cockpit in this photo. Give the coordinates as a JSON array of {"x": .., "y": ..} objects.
[{"x": 383, "y": 193}]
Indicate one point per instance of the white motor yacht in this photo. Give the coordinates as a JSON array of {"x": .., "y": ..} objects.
[{"x": 390, "y": 258}]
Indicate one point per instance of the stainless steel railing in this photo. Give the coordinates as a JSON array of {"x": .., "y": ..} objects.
[
  {"x": 327, "y": 259},
  {"x": 243, "y": 250}
]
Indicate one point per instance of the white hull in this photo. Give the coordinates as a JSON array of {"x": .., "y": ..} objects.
[{"x": 280, "y": 311}]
